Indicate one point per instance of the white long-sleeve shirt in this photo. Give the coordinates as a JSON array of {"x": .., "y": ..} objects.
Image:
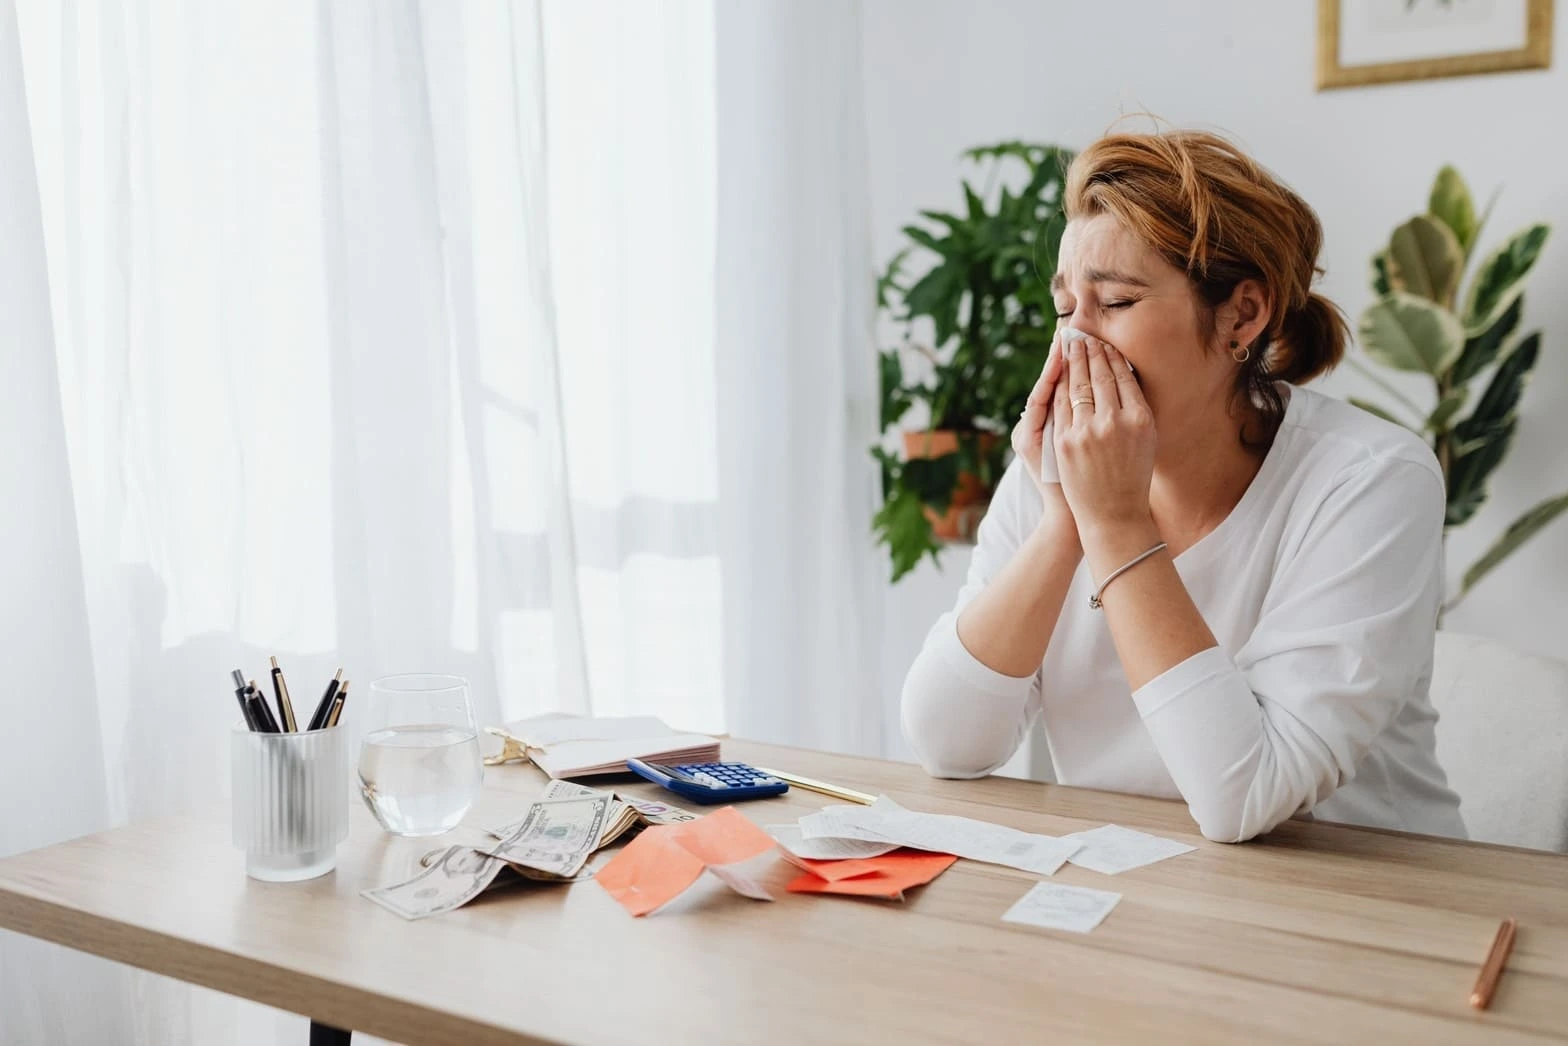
[{"x": 1321, "y": 587}]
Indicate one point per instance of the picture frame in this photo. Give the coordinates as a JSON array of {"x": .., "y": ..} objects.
[{"x": 1363, "y": 42}]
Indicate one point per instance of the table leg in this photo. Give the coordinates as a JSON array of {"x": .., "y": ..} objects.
[{"x": 326, "y": 1035}]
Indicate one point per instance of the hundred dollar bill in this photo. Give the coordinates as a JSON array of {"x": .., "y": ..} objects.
[{"x": 655, "y": 811}]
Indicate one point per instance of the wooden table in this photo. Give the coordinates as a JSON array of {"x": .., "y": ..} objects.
[{"x": 1317, "y": 933}]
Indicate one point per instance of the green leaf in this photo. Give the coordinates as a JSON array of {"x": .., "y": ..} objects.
[
  {"x": 1452, "y": 204},
  {"x": 1501, "y": 276},
  {"x": 975, "y": 203},
  {"x": 887, "y": 283},
  {"x": 1380, "y": 284},
  {"x": 1468, "y": 474},
  {"x": 1410, "y": 333},
  {"x": 1481, "y": 349},
  {"x": 952, "y": 221},
  {"x": 938, "y": 295},
  {"x": 1446, "y": 408},
  {"x": 1374, "y": 409},
  {"x": 928, "y": 241},
  {"x": 1518, "y": 532},
  {"x": 1503, "y": 392},
  {"x": 902, "y": 526},
  {"x": 933, "y": 480},
  {"x": 1482, "y": 440},
  {"x": 1424, "y": 259},
  {"x": 889, "y": 465},
  {"x": 895, "y": 398}
]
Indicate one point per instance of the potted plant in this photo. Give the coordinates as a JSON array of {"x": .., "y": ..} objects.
[
  {"x": 977, "y": 322},
  {"x": 1421, "y": 323}
]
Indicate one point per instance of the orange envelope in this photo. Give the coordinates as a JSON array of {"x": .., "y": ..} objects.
[
  {"x": 658, "y": 865},
  {"x": 890, "y": 875}
]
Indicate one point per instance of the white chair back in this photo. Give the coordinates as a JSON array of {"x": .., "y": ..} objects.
[{"x": 1503, "y": 739}]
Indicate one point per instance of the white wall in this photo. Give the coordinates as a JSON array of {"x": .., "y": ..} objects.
[{"x": 942, "y": 75}]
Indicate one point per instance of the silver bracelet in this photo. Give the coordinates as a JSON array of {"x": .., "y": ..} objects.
[{"x": 1094, "y": 600}]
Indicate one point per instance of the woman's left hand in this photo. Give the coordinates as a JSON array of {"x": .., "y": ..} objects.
[{"x": 1104, "y": 437}]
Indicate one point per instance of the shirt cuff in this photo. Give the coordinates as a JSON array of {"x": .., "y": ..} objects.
[
  {"x": 1182, "y": 679},
  {"x": 972, "y": 671}
]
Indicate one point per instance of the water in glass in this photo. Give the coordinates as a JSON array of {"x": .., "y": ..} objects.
[{"x": 420, "y": 766}]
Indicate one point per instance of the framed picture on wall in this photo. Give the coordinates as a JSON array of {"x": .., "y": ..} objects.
[{"x": 1383, "y": 41}]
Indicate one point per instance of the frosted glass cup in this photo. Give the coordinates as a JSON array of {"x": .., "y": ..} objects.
[
  {"x": 290, "y": 801},
  {"x": 419, "y": 766}
]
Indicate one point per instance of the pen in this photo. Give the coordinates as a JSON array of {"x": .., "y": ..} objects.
[
  {"x": 318, "y": 718},
  {"x": 337, "y": 705},
  {"x": 810, "y": 785},
  {"x": 242, "y": 695},
  {"x": 280, "y": 690},
  {"x": 259, "y": 710},
  {"x": 1492, "y": 969}
]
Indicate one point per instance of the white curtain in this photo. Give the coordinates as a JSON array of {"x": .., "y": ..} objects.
[
  {"x": 522, "y": 340},
  {"x": 803, "y": 586}
]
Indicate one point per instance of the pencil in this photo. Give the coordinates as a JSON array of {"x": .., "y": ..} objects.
[
  {"x": 1492, "y": 969},
  {"x": 280, "y": 690},
  {"x": 811, "y": 785}
]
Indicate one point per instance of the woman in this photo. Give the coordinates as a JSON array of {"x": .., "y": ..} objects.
[{"x": 1267, "y": 560}]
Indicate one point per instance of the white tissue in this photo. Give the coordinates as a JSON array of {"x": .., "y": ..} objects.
[{"x": 1048, "y": 470}]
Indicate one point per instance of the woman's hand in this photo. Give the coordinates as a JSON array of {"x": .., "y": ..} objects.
[
  {"x": 1104, "y": 437},
  {"x": 1028, "y": 440}
]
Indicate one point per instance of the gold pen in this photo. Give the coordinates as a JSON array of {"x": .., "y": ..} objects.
[
  {"x": 337, "y": 705},
  {"x": 280, "y": 690},
  {"x": 812, "y": 785}
]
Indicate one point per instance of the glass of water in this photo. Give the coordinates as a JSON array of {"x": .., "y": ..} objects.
[{"x": 419, "y": 766}]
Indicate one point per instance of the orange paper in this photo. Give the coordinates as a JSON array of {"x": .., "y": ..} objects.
[
  {"x": 722, "y": 837},
  {"x": 893, "y": 873},
  {"x": 652, "y": 870},
  {"x": 658, "y": 865}
]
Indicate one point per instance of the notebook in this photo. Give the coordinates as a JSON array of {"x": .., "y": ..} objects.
[{"x": 566, "y": 746}]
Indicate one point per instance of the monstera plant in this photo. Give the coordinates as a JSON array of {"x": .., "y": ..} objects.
[{"x": 1422, "y": 323}]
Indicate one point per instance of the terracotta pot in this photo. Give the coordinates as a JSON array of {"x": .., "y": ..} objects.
[{"x": 970, "y": 498}]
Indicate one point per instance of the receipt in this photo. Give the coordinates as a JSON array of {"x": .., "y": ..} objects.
[
  {"x": 941, "y": 833},
  {"x": 1112, "y": 848},
  {"x": 1057, "y": 907}
]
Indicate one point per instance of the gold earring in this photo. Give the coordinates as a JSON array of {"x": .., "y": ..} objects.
[{"x": 1240, "y": 357}]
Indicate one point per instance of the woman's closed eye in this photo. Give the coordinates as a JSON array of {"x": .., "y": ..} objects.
[{"x": 1105, "y": 306}]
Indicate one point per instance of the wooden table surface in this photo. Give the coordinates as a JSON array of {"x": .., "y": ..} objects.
[{"x": 1317, "y": 933}]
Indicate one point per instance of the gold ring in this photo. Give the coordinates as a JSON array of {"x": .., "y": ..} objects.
[{"x": 1080, "y": 401}]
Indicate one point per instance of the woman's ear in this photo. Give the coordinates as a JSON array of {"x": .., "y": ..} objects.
[{"x": 1249, "y": 311}]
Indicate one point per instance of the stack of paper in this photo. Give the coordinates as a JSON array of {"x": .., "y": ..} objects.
[
  {"x": 851, "y": 866},
  {"x": 886, "y": 822},
  {"x": 581, "y": 746}
]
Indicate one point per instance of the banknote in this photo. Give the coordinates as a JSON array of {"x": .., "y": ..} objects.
[
  {"x": 456, "y": 877},
  {"x": 557, "y": 835}
]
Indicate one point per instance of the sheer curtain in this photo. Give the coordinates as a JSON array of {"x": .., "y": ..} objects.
[{"x": 392, "y": 335}]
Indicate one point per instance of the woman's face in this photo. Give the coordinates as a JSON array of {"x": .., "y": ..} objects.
[{"x": 1109, "y": 284}]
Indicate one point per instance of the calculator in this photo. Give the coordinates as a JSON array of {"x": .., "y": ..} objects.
[{"x": 711, "y": 782}]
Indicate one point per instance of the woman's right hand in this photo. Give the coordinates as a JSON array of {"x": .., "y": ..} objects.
[{"x": 1028, "y": 434}]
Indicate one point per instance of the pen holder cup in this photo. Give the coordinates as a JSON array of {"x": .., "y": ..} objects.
[{"x": 290, "y": 801}]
